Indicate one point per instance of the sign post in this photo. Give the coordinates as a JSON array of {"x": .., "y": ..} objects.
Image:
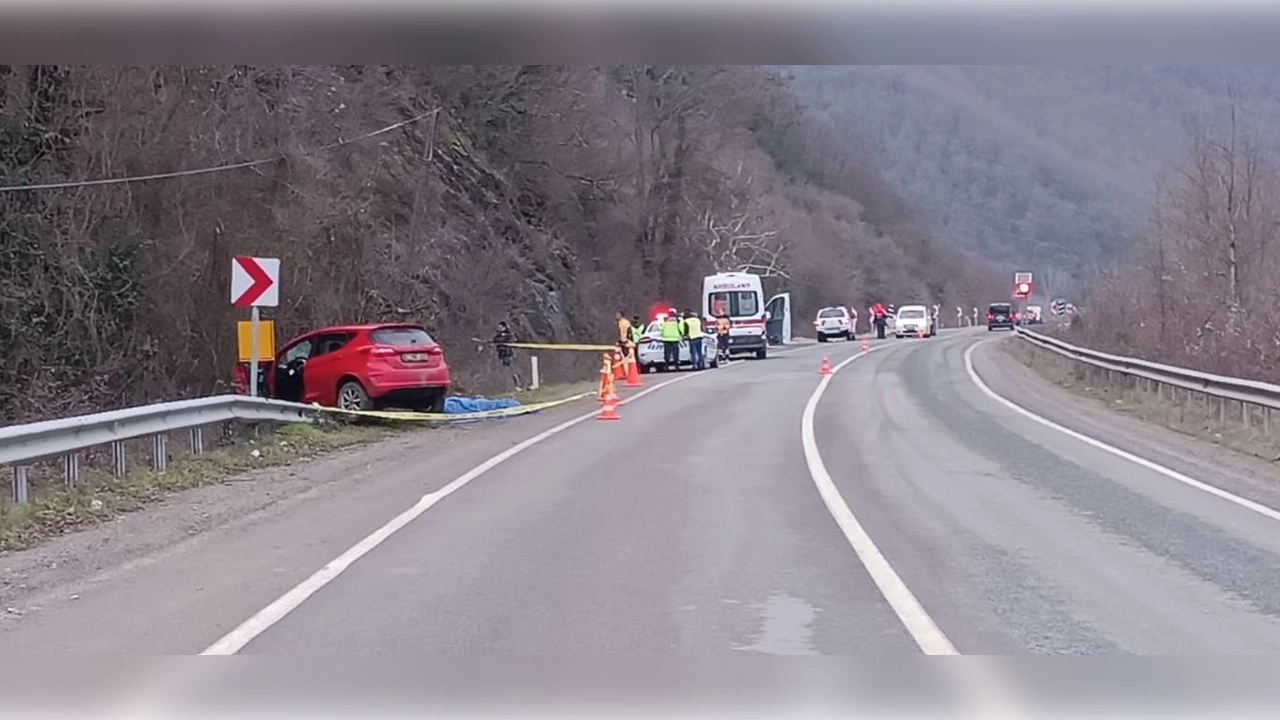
[
  {"x": 1022, "y": 285},
  {"x": 255, "y": 283}
]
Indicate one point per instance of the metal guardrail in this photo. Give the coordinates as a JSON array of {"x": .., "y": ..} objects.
[
  {"x": 1246, "y": 392},
  {"x": 22, "y": 445}
]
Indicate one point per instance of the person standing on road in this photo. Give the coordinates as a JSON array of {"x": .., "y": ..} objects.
[
  {"x": 880, "y": 318},
  {"x": 624, "y": 330},
  {"x": 637, "y": 331},
  {"x": 671, "y": 334},
  {"x": 693, "y": 331},
  {"x": 722, "y": 336},
  {"x": 625, "y": 344}
]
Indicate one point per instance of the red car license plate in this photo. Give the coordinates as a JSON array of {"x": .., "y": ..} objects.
[{"x": 413, "y": 357}]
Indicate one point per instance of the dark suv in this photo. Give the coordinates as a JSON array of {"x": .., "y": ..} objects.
[{"x": 999, "y": 315}]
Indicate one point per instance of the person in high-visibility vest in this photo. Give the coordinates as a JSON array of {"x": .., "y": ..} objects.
[
  {"x": 637, "y": 331},
  {"x": 693, "y": 331},
  {"x": 671, "y": 335}
]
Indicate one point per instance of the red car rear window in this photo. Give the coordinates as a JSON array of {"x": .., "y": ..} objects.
[{"x": 401, "y": 336}]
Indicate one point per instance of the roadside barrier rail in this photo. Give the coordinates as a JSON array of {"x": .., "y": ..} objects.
[
  {"x": 22, "y": 445},
  {"x": 1157, "y": 376}
]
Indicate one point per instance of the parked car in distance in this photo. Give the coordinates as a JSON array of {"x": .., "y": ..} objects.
[
  {"x": 834, "y": 322},
  {"x": 361, "y": 367},
  {"x": 1000, "y": 315},
  {"x": 913, "y": 320},
  {"x": 1034, "y": 316}
]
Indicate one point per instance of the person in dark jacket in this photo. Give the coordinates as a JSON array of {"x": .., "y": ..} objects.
[{"x": 506, "y": 353}]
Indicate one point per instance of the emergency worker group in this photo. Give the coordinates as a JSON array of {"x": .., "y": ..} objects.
[{"x": 674, "y": 328}]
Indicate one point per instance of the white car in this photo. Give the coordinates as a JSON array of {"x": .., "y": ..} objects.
[
  {"x": 833, "y": 322},
  {"x": 913, "y": 320},
  {"x": 650, "y": 355}
]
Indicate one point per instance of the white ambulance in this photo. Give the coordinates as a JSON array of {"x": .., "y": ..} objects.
[{"x": 753, "y": 322}]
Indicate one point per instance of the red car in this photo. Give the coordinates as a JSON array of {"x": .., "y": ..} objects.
[{"x": 361, "y": 367}]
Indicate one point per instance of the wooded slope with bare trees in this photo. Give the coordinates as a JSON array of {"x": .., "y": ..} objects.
[
  {"x": 1201, "y": 288},
  {"x": 548, "y": 195}
]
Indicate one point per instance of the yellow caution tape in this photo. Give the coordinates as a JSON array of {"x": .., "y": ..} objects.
[
  {"x": 548, "y": 346},
  {"x": 565, "y": 346},
  {"x": 481, "y": 415}
]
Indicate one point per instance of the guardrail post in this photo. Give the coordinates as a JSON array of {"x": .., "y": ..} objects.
[
  {"x": 197, "y": 441},
  {"x": 71, "y": 468},
  {"x": 1266, "y": 420},
  {"x": 21, "y": 486},
  {"x": 118, "y": 466},
  {"x": 533, "y": 372},
  {"x": 159, "y": 454},
  {"x": 1244, "y": 413}
]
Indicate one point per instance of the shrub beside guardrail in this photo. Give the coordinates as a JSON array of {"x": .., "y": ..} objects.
[{"x": 1167, "y": 381}]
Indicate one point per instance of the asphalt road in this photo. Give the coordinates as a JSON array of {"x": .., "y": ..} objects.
[{"x": 693, "y": 525}]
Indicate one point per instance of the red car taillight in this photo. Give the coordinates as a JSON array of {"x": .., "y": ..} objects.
[{"x": 990, "y": 317}]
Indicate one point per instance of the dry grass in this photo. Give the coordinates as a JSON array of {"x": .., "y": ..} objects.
[
  {"x": 1190, "y": 416},
  {"x": 98, "y": 496},
  {"x": 549, "y": 393}
]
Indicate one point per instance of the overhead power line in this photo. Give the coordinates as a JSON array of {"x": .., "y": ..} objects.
[{"x": 215, "y": 168}]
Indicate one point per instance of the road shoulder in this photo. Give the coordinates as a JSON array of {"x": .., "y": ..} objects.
[
  {"x": 227, "y": 549},
  {"x": 1232, "y": 470}
]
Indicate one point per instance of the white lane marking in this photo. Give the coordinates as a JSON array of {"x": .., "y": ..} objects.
[
  {"x": 928, "y": 636},
  {"x": 1167, "y": 472},
  {"x": 243, "y": 634}
]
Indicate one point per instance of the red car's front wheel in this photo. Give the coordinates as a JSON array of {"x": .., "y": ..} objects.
[{"x": 352, "y": 396}]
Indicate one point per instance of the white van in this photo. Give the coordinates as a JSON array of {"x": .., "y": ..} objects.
[
  {"x": 914, "y": 320},
  {"x": 741, "y": 296}
]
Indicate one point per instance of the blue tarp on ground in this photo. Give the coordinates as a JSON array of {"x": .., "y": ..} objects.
[{"x": 454, "y": 405}]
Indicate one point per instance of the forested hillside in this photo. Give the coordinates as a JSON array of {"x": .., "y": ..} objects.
[
  {"x": 547, "y": 195},
  {"x": 1052, "y": 167},
  {"x": 1202, "y": 285}
]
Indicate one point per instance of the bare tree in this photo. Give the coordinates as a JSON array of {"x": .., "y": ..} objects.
[{"x": 738, "y": 243}]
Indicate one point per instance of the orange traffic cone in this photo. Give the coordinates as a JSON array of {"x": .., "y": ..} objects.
[
  {"x": 609, "y": 411},
  {"x": 606, "y": 380},
  {"x": 826, "y": 366},
  {"x": 619, "y": 372},
  {"x": 633, "y": 372}
]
